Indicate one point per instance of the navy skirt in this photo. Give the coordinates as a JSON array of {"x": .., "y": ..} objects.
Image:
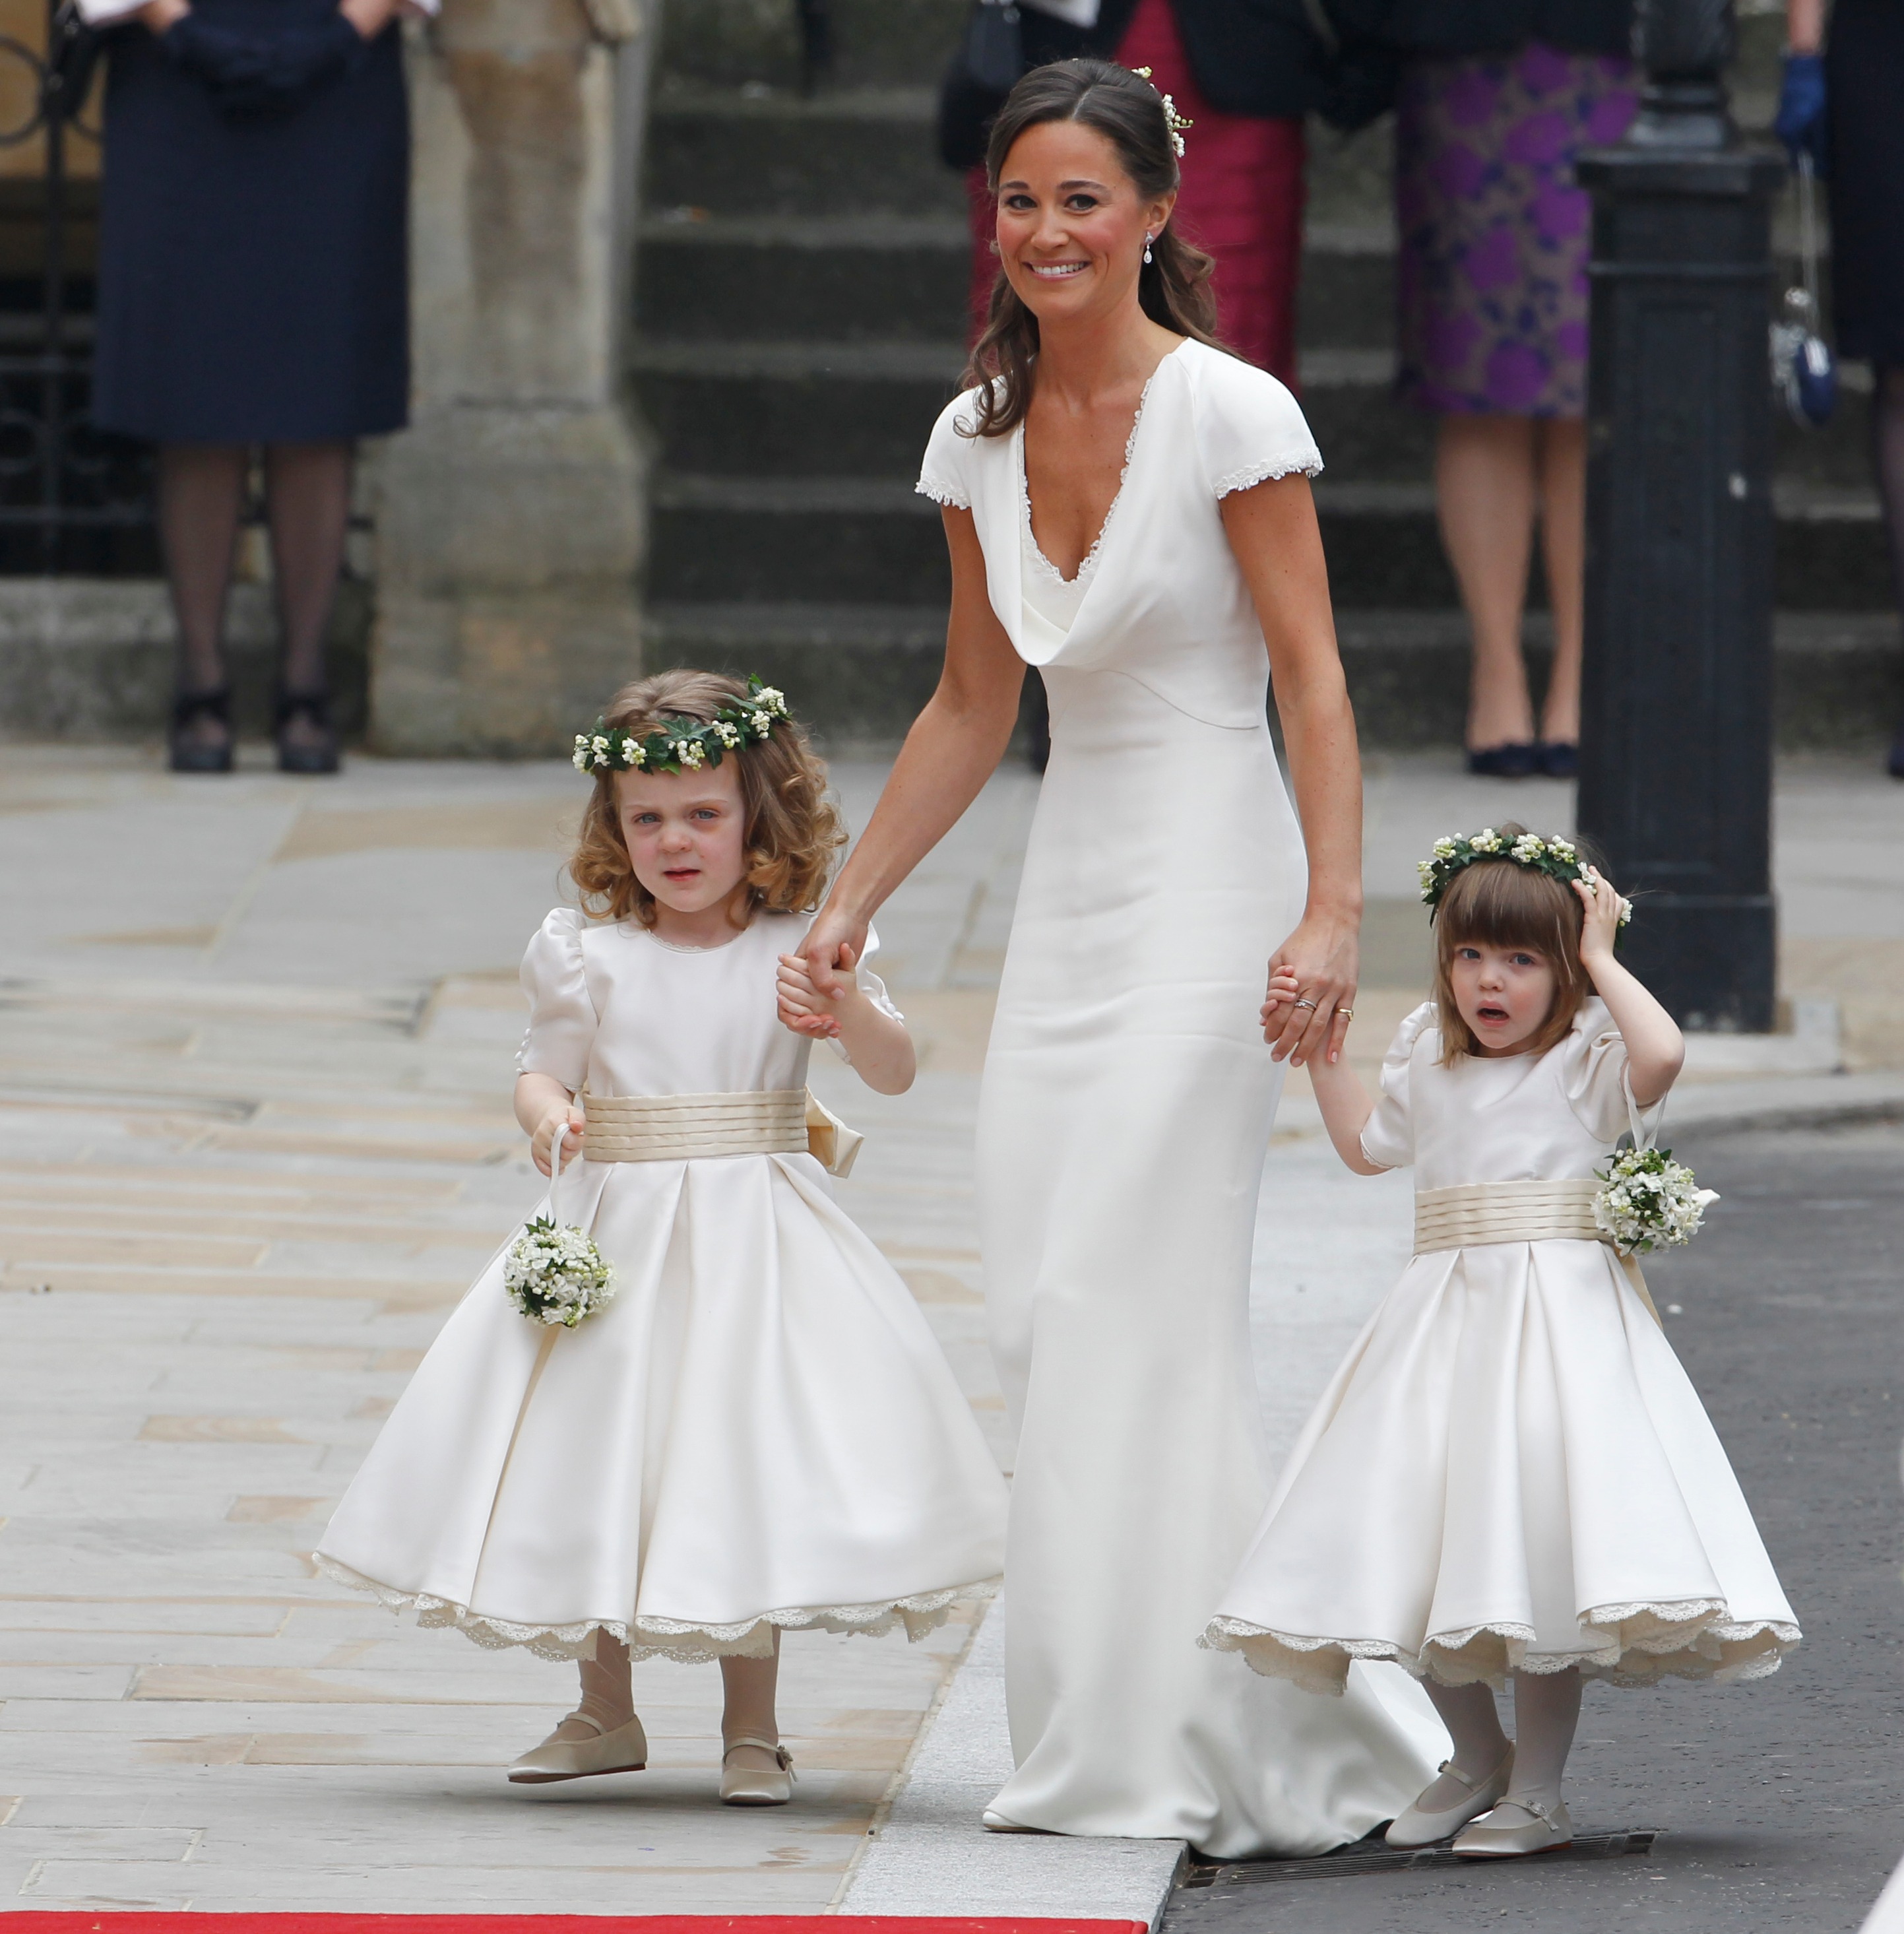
[{"x": 253, "y": 255}]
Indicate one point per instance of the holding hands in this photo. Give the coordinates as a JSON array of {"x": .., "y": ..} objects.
[
  {"x": 1309, "y": 1005},
  {"x": 875, "y": 1040}
]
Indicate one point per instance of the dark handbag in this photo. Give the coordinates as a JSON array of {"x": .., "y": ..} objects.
[
  {"x": 73, "y": 48},
  {"x": 992, "y": 57}
]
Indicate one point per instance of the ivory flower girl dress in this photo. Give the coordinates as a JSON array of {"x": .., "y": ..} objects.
[
  {"x": 759, "y": 1430},
  {"x": 1510, "y": 1471}
]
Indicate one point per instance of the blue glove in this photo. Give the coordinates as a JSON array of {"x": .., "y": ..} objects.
[{"x": 1800, "y": 124}]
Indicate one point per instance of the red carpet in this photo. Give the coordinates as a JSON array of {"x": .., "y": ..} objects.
[{"x": 36, "y": 1923}]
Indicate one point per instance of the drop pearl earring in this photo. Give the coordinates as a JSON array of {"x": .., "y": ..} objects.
[{"x": 1147, "y": 241}]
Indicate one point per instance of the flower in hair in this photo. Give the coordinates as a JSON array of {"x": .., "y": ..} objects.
[
  {"x": 1176, "y": 122},
  {"x": 684, "y": 745},
  {"x": 1557, "y": 858}
]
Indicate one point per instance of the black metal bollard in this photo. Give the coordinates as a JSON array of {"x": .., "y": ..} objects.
[{"x": 1676, "y": 740}]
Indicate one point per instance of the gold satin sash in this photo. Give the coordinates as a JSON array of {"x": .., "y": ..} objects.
[
  {"x": 684, "y": 1127},
  {"x": 1476, "y": 1213}
]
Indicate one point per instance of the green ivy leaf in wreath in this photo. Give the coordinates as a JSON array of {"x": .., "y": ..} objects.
[{"x": 678, "y": 745}]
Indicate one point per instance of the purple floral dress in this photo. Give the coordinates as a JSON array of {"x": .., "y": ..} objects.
[{"x": 1491, "y": 281}]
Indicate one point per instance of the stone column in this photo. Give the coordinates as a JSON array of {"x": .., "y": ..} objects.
[{"x": 510, "y": 516}]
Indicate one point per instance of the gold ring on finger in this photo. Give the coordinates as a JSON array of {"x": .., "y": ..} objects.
[{"x": 1345, "y": 1014}]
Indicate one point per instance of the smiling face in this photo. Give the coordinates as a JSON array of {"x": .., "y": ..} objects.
[
  {"x": 1505, "y": 994},
  {"x": 686, "y": 835},
  {"x": 1071, "y": 225}
]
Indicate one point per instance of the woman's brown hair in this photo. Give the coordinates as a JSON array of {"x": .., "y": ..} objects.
[
  {"x": 1501, "y": 903},
  {"x": 1173, "y": 287},
  {"x": 792, "y": 832}
]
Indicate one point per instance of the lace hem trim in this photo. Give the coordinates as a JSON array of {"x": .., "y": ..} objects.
[
  {"x": 1635, "y": 1644},
  {"x": 678, "y": 1639},
  {"x": 1088, "y": 565},
  {"x": 1251, "y": 474},
  {"x": 941, "y": 493}
]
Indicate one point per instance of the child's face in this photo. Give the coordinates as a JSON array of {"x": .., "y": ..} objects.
[
  {"x": 1504, "y": 993},
  {"x": 686, "y": 834}
]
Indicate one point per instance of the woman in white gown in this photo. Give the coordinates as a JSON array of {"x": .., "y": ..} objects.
[{"x": 1130, "y": 512}]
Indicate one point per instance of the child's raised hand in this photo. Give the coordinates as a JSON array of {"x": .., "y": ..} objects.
[
  {"x": 540, "y": 1142},
  {"x": 802, "y": 1007},
  {"x": 1284, "y": 987},
  {"x": 1602, "y": 908}
]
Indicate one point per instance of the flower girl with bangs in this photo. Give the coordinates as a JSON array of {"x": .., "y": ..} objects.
[
  {"x": 712, "y": 1411},
  {"x": 1510, "y": 1476}
]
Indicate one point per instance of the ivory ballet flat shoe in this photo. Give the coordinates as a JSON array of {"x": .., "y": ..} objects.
[
  {"x": 1417, "y": 1827},
  {"x": 1530, "y": 1826},
  {"x": 624, "y": 1750},
  {"x": 755, "y": 1785}
]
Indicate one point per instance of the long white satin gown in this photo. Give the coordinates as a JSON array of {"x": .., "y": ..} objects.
[
  {"x": 759, "y": 1430},
  {"x": 1125, "y": 1116}
]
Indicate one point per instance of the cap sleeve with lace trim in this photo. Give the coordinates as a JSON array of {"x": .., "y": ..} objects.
[
  {"x": 561, "y": 1016},
  {"x": 1597, "y": 1077},
  {"x": 942, "y": 476},
  {"x": 1388, "y": 1136},
  {"x": 1249, "y": 429}
]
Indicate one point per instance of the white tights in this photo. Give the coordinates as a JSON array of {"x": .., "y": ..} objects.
[
  {"x": 1546, "y": 1708},
  {"x": 748, "y": 1686}
]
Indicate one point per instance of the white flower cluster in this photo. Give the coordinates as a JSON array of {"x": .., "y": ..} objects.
[
  {"x": 684, "y": 745},
  {"x": 1650, "y": 1201},
  {"x": 555, "y": 1274}
]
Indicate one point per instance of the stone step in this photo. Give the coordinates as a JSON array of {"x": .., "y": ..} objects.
[
  {"x": 873, "y": 539},
  {"x": 701, "y": 277},
  {"x": 755, "y": 44},
  {"x": 865, "y": 409},
  {"x": 861, "y": 673},
  {"x": 749, "y": 156}
]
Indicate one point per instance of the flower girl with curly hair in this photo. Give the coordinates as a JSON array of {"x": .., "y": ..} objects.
[
  {"x": 753, "y": 1430},
  {"x": 1510, "y": 1476}
]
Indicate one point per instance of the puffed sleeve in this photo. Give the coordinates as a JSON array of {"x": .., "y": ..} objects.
[
  {"x": 1388, "y": 1138},
  {"x": 870, "y": 984},
  {"x": 1597, "y": 1079},
  {"x": 1249, "y": 427},
  {"x": 561, "y": 1017},
  {"x": 942, "y": 475}
]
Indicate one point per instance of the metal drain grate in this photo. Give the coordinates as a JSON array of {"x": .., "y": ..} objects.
[{"x": 1363, "y": 1858}]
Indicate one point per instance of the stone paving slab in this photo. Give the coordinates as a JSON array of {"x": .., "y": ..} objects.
[{"x": 254, "y": 1140}]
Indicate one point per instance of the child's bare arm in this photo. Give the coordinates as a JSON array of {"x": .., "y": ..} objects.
[
  {"x": 1346, "y": 1108},
  {"x": 1655, "y": 1049},
  {"x": 542, "y": 1102},
  {"x": 878, "y": 1047}
]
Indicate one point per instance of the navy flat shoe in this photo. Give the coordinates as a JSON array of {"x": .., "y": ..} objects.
[
  {"x": 1505, "y": 762},
  {"x": 1559, "y": 759}
]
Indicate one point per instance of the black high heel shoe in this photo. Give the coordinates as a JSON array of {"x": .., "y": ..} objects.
[
  {"x": 1560, "y": 758},
  {"x": 312, "y": 752},
  {"x": 188, "y": 752},
  {"x": 1504, "y": 762}
]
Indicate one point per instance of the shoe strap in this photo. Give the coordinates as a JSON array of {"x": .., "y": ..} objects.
[
  {"x": 588, "y": 1719},
  {"x": 779, "y": 1752}
]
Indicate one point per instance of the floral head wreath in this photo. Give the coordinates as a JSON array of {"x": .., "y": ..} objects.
[
  {"x": 1556, "y": 858},
  {"x": 1175, "y": 122},
  {"x": 683, "y": 745}
]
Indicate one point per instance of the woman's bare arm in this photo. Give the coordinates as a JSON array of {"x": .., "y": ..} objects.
[
  {"x": 954, "y": 746},
  {"x": 1272, "y": 530}
]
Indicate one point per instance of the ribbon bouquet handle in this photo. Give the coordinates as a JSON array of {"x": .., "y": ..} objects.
[{"x": 553, "y": 1272}]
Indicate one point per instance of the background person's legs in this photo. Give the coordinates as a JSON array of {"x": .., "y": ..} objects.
[
  {"x": 1888, "y": 462},
  {"x": 1484, "y": 495},
  {"x": 200, "y": 495},
  {"x": 1563, "y": 463},
  {"x": 307, "y": 498}
]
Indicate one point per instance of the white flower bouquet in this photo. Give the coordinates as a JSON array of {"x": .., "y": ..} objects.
[
  {"x": 1650, "y": 1201},
  {"x": 554, "y": 1273}
]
